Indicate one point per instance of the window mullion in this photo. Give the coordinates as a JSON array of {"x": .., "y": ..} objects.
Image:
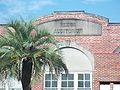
[
  {"x": 75, "y": 81},
  {"x": 59, "y": 83}
]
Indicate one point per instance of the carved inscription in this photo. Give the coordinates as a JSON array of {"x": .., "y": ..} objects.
[
  {"x": 74, "y": 27},
  {"x": 67, "y": 27}
]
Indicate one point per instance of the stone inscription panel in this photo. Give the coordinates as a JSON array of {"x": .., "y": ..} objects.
[{"x": 76, "y": 27}]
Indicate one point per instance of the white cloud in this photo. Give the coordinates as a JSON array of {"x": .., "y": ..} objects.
[
  {"x": 15, "y": 8},
  {"x": 39, "y": 4},
  {"x": 93, "y": 1}
]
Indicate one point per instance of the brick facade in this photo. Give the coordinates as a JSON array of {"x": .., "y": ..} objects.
[{"x": 107, "y": 61}]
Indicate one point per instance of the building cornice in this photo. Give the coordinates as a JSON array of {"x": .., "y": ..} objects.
[{"x": 80, "y": 15}]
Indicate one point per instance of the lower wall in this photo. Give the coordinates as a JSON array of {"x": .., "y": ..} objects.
[{"x": 107, "y": 69}]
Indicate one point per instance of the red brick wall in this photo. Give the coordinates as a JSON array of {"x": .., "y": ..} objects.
[
  {"x": 107, "y": 69},
  {"x": 106, "y": 62},
  {"x": 2, "y": 30},
  {"x": 37, "y": 86}
]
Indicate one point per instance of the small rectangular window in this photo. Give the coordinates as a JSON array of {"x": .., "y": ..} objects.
[
  {"x": 50, "y": 82},
  {"x": 84, "y": 82},
  {"x": 67, "y": 82}
]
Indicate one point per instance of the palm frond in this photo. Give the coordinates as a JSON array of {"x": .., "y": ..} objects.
[{"x": 20, "y": 43}]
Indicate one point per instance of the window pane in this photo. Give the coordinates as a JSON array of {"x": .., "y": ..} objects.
[
  {"x": 47, "y": 83},
  {"x": 87, "y": 83},
  {"x": 80, "y": 77},
  {"x": 70, "y": 76},
  {"x": 54, "y": 77},
  {"x": 54, "y": 83},
  {"x": 87, "y": 76},
  {"x": 70, "y": 84},
  {"x": 47, "y": 76},
  {"x": 80, "y": 84},
  {"x": 64, "y": 76},
  {"x": 64, "y": 84}
]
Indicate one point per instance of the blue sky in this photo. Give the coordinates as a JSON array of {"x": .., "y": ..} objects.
[{"x": 32, "y": 9}]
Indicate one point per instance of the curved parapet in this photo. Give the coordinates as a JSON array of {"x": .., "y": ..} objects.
[
  {"x": 72, "y": 23},
  {"x": 79, "y": 15}
]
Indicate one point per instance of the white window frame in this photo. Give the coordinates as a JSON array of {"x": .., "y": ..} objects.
[
  {"x": 85, "y": 80},
  {"x": 68, "y": 88},
  {"x": 75, "y": 80},
  {"x": 51, "y": 88}
]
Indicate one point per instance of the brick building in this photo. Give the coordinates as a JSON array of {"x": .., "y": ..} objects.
[{"x": 90, "y": 45}]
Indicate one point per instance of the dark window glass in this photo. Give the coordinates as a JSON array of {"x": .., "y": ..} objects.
[
  {"x": 64, "y": 84},
  {"x": 64, "y": 76},
  {"x": 87, "y": 83},
  {"x": 80, "y": 77},
  {"x": 47, "y": 83},
  {"x": 54, "y": 77},
  {"x": 54, "y": 83},
  {"x": 80, "y": 84},
  {"x": 87, "y": 76},
  {"x": 48, "y": 77},
  {"x": 70, "y": 76},
  {"x": 70, "y": 84}
]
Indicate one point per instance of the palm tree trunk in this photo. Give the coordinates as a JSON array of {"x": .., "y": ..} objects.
[{"x": 26, "y": 74}]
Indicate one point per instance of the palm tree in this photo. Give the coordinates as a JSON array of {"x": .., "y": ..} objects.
[{"x": 25, "y": 51}]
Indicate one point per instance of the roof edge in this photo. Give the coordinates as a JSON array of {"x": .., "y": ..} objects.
[
  {"x": 81, "y": 12},
  {"x": 114, "y": 23}
]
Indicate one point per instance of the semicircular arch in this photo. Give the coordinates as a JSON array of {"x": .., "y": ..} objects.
[{"x": 77, "y": 55}]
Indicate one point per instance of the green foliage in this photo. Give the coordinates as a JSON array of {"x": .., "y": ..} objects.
[{"x": 24, "y": 40}]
